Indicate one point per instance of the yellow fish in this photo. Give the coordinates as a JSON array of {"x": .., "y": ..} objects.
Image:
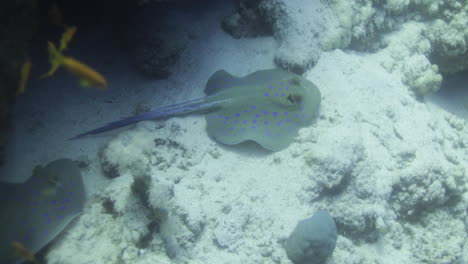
[
  {"x": 66, "y": 37},
  {"x": 24, "y": 77},
  {"x": 88, "y": 76}
]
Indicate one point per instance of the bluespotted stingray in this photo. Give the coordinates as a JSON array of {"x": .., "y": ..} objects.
[
  {"x": 35, "y": 212},
  {"x": 267, "y": 106}
]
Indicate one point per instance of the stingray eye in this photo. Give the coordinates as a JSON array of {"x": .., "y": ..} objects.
[{"x": 295, "y": 99}]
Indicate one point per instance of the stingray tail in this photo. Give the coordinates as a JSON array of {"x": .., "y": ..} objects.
[{"x": 196, "y": 105}]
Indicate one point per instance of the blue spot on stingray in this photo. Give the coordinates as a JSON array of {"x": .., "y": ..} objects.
[
  {"x": 253, "y": 107},
  {"x": 271, "y": 87},
  {"x": 280, "y": 122},
  {"x": 253, "y": 127},
  {"x": 282, "y": 94},
  {"x": 278, "y": 135},
  {"x": 265, "y": 122},
  {"x": 231, "y": 128},
  {"x": 237, "y": 114},
  {"x": 220, "y": 115},
  {"x": 245, "y": 111},
  {"x": 288, "y": 120},
  {"x": 276, "y": 94},
  {"x": 267, "y": 94},
  {"x": 257, "y": 115},
  {"x": 286, "y": 113},
  {"x": 303, "y": 115},
  {"x": 227, "y": 118},
  {"x": 254, "y": 121},
  {"x": 265, "y": 112},
  {"x": 286, "y": 88},
  {"x": 244, "y": 122},
  {"x": 296, "y": 115},
  {"x": 275, "y": 113},
  {"x": 235, "y": 121},
  {"x": 224, "y": 122}
]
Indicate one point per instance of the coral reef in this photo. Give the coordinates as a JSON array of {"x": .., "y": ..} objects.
[
  {"x": 301, "y": 34},
  {"x": 407, "y": 52},
  {"x": 445, "y": 242},
  {"x": 425, "y": 188},
  {"x": 247, "y": 21},
  {"x": 431, "y": 35}
]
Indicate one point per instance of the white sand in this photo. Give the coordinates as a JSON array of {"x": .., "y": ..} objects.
[{"x": 238, "y": 204}]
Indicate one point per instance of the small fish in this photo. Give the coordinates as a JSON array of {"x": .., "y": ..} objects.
[
  {"x": 22, "y": 252},
  {"x": 55, "y": 16},
  {"x": 66, "y": 37},
  {"x": 87, "y": 75},
  {"x": 24, "y": 77}
]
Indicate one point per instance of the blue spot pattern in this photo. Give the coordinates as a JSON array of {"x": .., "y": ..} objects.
[
  {"x": 255, "y": 115},
  {"x": 42, "y": 206},
  {"x": 238, "y": 123}
]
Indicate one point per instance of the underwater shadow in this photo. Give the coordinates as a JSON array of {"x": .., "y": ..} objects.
[
  {"x": 453, "y": 94},
  {"x": 246, "y": 148}
]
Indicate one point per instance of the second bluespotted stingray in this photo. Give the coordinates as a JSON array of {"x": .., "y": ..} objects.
[
  {"x": 267, "y": 106},
  {"x": 33, "y": 213}
]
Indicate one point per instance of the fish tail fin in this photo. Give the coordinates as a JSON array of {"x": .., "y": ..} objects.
[{"x": 55, "y": 58}]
